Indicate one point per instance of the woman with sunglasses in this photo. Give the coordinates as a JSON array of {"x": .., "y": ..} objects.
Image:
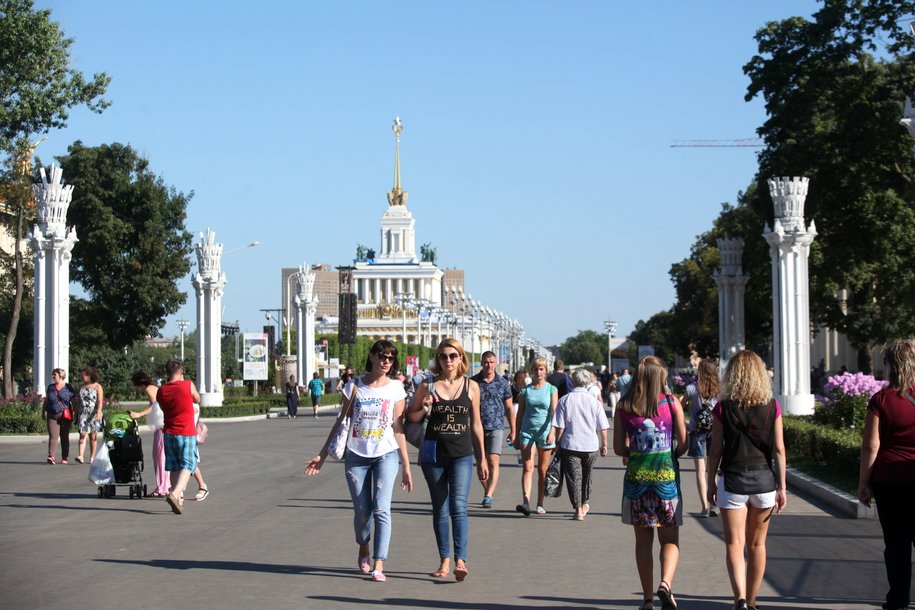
[
  {"x": 454, "y": 429},
  {"x": 374, "y": 444}
]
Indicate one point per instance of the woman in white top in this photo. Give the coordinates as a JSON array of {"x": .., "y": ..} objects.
[
  {"x": 374, "y": 444},
  {"x": 154, "y": 417},
  {"x": 580, "y": 426}
]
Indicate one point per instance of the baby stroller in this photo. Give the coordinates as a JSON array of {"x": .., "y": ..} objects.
[{"x": 126, "y": 455}]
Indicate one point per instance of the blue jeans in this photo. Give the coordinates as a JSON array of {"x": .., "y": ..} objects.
[
  {"x": 371, "y": 483},
  {"x": 449, "y": 484}
]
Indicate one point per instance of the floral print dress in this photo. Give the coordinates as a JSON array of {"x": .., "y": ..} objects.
[
  {"x": 651, "y": 487},
  {"x": 89, "y": 403}
]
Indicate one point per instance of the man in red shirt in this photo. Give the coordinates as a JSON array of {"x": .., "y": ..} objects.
[{"x": 176, "y": 398}]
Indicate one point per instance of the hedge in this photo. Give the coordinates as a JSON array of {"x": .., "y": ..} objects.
[{"x": 839, "y": 450}]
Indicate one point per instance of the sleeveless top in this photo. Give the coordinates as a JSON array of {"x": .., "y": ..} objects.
[
  {"x": 449, "y": 424},
  {"x": 177, "y": 405},
  {"x": 651, "y": 464},
  {"x": 749, "y": 434}
]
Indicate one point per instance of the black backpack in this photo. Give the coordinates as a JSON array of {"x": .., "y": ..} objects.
[{"x": 704, "y": 419}]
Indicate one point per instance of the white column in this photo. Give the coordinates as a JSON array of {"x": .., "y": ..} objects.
[
  {"x": 306, "y": 306},
  {"x": 388, "y": 288},
  {"x": 731, "y": 288},
  {"x": 52, "y": 244},
  {"x": 789, "y": 247},
  {"x": 209, "y": 283},
  {"x": 377, "y": 295}
]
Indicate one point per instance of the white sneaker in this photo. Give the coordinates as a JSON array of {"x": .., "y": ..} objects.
[{"x": 541, "y": 510}]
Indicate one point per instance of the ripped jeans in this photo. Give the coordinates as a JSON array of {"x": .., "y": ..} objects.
[{"x": 371, "y": 483}]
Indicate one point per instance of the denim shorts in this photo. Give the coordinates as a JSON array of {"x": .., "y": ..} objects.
[{"x": 699, "y": 441}]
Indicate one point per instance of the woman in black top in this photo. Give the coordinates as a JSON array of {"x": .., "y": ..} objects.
[{"x": 446, "y": 455}]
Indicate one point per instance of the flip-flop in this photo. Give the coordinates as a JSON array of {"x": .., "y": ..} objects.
[
  {"x": 365, "y": 564},
  {"x": 78, "y": 460},
  {"x": 461, "y": 572},
  {"x": 440, "y": 573},
  {"x": 173, "y": 502},
  {"x": 378, "y": 576},
  {"x": 666, "y": 596},
  {"x": 202, "y": 495}
]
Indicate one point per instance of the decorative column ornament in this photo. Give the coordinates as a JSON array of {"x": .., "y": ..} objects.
[
  {"x": 732, "y": 284},
  {"x": 306, "y": 304},
  {"x": 908, "y": 119},
  {"x": 209, "y": 282},
  {"x": 52, "y": 246},
  {"x": 789, "y": 247}
]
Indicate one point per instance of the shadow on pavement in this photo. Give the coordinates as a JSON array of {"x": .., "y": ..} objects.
[
  {"x": 89, "y": 508},
  {"x": 450, "y": 605}
]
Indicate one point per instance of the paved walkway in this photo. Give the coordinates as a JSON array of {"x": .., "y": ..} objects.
[{"x": 268, "y": 537}]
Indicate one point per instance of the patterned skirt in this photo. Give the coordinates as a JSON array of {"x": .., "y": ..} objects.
[
  {"x": 87, "y": 424},
  {"x": 650, "y": 510}
]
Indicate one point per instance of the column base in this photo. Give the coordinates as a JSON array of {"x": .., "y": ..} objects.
[
  {"x": 211, "y": 399},
  {"x": 796, "y": 404}
]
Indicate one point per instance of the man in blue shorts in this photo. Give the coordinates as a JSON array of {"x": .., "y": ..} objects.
[{"x": 495, "y": 406}]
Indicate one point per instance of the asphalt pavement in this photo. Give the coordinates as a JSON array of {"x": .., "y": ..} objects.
[{"x": 268, "y": 537}]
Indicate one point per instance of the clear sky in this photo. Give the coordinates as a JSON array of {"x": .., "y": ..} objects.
[{"x": 535, "y": 150}]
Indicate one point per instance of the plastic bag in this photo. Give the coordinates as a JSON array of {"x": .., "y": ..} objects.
[
  {"x": 155, "y": 417},
  {"x": 552, "y": 486},
  {"x": 202, "y": 432},
  {"x": 100, "y": 471}
]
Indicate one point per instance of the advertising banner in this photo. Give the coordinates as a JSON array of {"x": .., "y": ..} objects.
[{"x": 255, "y": 356}]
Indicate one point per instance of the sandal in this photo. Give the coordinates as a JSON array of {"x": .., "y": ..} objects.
[
  {"x": 202, "y": 494},
  {"x": 378, "y": 576},
  {"x": 440, "y": 572},
  {"x": 78, "y": 460},
  {"x": 461, "y": 572},
  {"x": 648, "y": 604},
  {"x": 666, "y": 596}
]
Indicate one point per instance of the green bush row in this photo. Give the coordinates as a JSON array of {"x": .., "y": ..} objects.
[{"x": 839, "y": 450}]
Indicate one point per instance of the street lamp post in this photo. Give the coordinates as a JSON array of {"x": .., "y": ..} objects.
[
  {"x": 182, "y": 326},
  {"x": 610, "y": 325}
]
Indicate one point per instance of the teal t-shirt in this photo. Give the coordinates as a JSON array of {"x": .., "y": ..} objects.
[
  {"x": 537, "y": 407},
  {"x": 316, "y": 387}
]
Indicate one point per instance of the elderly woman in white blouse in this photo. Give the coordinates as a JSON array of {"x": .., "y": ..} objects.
[{"x": 580, "y": 427}]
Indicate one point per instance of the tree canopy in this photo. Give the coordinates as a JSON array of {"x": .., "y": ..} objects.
[
  {"x": 833, "y": 88},
  {"x": 38, "y": 86},
  {"x": 586, "y": 346},
  {"x": 132, "y": 247}
]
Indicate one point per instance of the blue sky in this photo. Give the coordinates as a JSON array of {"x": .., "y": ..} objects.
[{"x": 535, "y": 150}]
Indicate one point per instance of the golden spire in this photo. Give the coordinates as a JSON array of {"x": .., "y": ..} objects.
[{"x": 397, "y": 196}]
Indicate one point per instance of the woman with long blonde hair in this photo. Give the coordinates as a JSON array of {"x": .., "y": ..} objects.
[
  {"x": 888, "y": 468},
  {"x": 649, "y": 430},
  {"x": 747, "y": 444}
]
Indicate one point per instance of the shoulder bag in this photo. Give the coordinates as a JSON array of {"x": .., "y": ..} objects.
[{"x": 337, "y": 446}]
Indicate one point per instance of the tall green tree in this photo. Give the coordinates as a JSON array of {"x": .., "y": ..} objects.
[
  {"x": 132, "y": 249},
  {"x": 586, "y": 346},
  {"x": 834, "y": 87},
  {"x": 38, "y": 87},
  {"x": 657, "y": 332}
]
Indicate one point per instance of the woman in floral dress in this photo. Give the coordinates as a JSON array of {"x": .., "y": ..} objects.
[
  {"x": 646, "y": 422},
  {"x": 91, "y": 397}
]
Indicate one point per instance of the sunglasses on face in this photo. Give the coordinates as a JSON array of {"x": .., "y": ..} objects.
[
  {"x": 450, "y": 356},
  {"x": 385, "y": 357}
]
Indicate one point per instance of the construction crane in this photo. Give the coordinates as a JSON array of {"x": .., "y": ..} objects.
[{"x": 741, "y": 143}]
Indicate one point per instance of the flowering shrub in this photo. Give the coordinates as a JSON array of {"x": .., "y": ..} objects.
[
  {"x": 845, "y": 405},
  {"x": 681, "y": 380}
]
